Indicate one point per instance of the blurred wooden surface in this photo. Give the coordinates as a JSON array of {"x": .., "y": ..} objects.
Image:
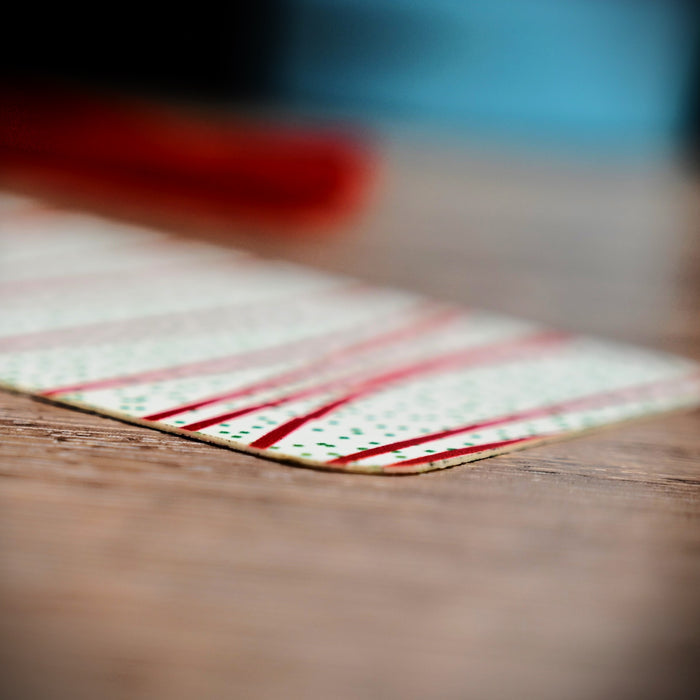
[{"x": 135, "y": 564}]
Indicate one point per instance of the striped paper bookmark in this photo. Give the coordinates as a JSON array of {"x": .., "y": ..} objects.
[{"x": 293, "y": 364}]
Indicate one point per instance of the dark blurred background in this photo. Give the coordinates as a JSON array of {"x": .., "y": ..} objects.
[{"x": 620, "y": 75}]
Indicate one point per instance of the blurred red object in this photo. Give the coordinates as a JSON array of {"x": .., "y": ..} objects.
[{"x": 136, "y": 153}]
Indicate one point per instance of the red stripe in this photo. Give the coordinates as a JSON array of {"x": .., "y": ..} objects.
[
  {"x": 573, "y": 404},
  {"x": 362, "y": 385},
  {"x": 323, "y": 361},
  {"x": 294, "y": 396},
  {"x": 91, "y": 333},
  {"x": 19, "y": 288},
  {"x": 26, "y": 285},
  {"x": 238, "y": 393},
  {"x": 483, "y": 354},
  {"x": 276, "y": 434},
  {"x": 200, "y": 367},
  {"x": 421, "y": 325},
  {"x": 200, "y": 425},
  {"x": 207, "y": 422},
  {"x": 202, "y": 264},
  {"x": 464, "y": 451}
]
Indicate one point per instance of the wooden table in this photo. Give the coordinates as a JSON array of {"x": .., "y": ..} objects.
[{"x": 135, "y": 564}]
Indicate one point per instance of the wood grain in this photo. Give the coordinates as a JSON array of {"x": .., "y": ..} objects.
[{"x": 136, "y": 564}]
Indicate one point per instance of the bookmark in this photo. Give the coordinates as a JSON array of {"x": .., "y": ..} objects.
[{"x": 293, "y": 364}]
